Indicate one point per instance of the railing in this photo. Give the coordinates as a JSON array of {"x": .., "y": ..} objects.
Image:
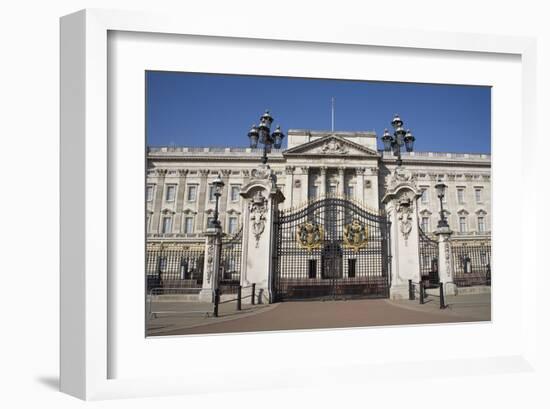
[
  {"x": 428, "y": 252},
  {"x": 231, "y": 261},
  {"x": 471, "y": 262},
  {"x": 172, "y": 291},
  {"x": 175, "y": 267},
  {"x": 207, "y": 308},
  {"x": 208, "y": 149},
  {"x": 422, "y": 293}
]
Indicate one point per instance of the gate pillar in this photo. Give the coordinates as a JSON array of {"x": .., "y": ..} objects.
[
  {"x": 262, "y": 198},
  {"x": 444, "y": 264},
  {"x": 211, "y": 270},
  {"x": 400, "y": 203}
]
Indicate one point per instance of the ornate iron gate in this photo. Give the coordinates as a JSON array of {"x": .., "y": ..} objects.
[
  {"x": 333, "y": 248},
  {"x": 428, "y": 251},
  {"x": 230, "y": 263}
]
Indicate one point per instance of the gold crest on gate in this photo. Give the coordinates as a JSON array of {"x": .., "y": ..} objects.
[
  {"x": 355, "y": 235},
  {"x": 310, "y": 236}
]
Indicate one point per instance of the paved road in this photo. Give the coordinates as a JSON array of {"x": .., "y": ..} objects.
[{"x": 339, "y": 314}]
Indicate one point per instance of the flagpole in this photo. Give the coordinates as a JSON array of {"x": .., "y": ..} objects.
[{"x": 332, "y": 114}]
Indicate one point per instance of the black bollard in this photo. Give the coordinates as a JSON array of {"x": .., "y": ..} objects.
[
  {"x": 239, "y": 296},
  {"x": 253, "y": 293},
  {"x": 421, "y": 283},
  {"x": 411, "y": 290},
  {"x": 216, "y": 301},
  {"x": 441, "y": 296}
]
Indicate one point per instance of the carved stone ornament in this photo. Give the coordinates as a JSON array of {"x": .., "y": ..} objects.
[
  {"x": 310, "y": 236},
  {"x": 264, "y": 172},
  {"x": 258, "y": 209},
  {"x": 447, "y": 256},
  {"x": 355, "y": 235},
  {"x": 334, "y": 146},
  {"x": 402, "y": 175},
  {"x": 404, "y": 211},
  {"x": 210, "y": 261}
]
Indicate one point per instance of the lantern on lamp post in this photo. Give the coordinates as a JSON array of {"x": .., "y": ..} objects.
[
  {"x": 401, "y": 138},
  {"x": 262, "y": 134},
  {"x": 440, "y": 188}
]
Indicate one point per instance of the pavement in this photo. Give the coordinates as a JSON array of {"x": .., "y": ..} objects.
[{"x": 186, "y": 318}]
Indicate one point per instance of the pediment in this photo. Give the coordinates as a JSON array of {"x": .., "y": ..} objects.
[{"x": 331, "y": 145}]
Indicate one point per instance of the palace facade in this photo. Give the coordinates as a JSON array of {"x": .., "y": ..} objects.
[{"x": 316, "y": 164}]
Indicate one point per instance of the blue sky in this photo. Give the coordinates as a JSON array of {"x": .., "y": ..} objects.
[{"x": 192, "y": 109}]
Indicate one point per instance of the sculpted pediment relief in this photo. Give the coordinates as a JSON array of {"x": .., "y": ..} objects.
[{"x": 331, "y": 145}]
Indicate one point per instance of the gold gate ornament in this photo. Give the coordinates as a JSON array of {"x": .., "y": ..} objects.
[
  {"x": 310, "y": 236},
  {"x": 355, "y": 235}
]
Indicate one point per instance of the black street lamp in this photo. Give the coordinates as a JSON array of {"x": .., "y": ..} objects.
[
  {"x": 399, "y": 139},
  {"x": 440, "y": 188},
  {"x": 218, "y": 188},
  {"x": 261, "y": 134}
]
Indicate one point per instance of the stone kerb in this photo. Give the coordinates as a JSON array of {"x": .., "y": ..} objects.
[{"x": 262, "y": 198}]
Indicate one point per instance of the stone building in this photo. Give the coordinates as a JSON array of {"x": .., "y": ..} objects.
[
  {"x": 180, "y": 198},
  {"x": 331, "y": 215}
]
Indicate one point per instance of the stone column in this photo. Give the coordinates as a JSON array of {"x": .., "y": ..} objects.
[
  {"x": 159, "y": 197},
  {"x": 224, "y": 197},
  {"x": 341, "y": 182},
  {"x": 400, "y": 201},
  {"x": 210, "y": 279},
  {"x": 323, "y": 186},
  {"x": 445, "y": 267},
  {"x": 262, "y": 199},
  {"x": 304, "y": 180},
  {"x": 374, "y": 188},
  {"x": 360, "y": 194},
  {"x": 179, "y": 200},
  {"x": 289, "y": 184},
  {"x": 201, "y": 198}
]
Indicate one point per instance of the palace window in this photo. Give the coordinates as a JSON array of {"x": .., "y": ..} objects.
[
  {"x": 149, "y": 192},
  {"x": 191, "y": 193},
  {"x": 170, "y": 193},
  {"x": 188, "y": 225},
  {"x": 460, "y": 195},
  {"x": 478, "y": 195},
  {"x": 232, "y": 225},
  {"x": 167, "y": 224},
  {"x": 313, "y": 191},
  {"x": 211, "y": 196},
  {"x": 312, "y": 268},
  {"x": 235, "y": 190},
  {"x": 481, "y": 224},
  {"x": 350, "y": 191},
  {"x": 425, "y": 224},
  {"x": 462, "y": 224},
  {"x": 332, "y": 189},
  {"x": 424, "y": 197}
]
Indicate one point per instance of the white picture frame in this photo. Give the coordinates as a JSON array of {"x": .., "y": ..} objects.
[{"x": 86, "y": 152}]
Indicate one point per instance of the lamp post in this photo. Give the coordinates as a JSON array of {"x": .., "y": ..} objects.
[
  {"x": 399, "y": 139},
  {"x": 440, "y": 188},
  {"x": 218, "y": 188},
  {"x": 261, "y": 134}
]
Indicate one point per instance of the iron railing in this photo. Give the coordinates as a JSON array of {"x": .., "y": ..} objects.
[
  {"x": 428, "y": 251},
  {"x": 174, "y": 266},
  {"x": 471, "y": 262}
]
